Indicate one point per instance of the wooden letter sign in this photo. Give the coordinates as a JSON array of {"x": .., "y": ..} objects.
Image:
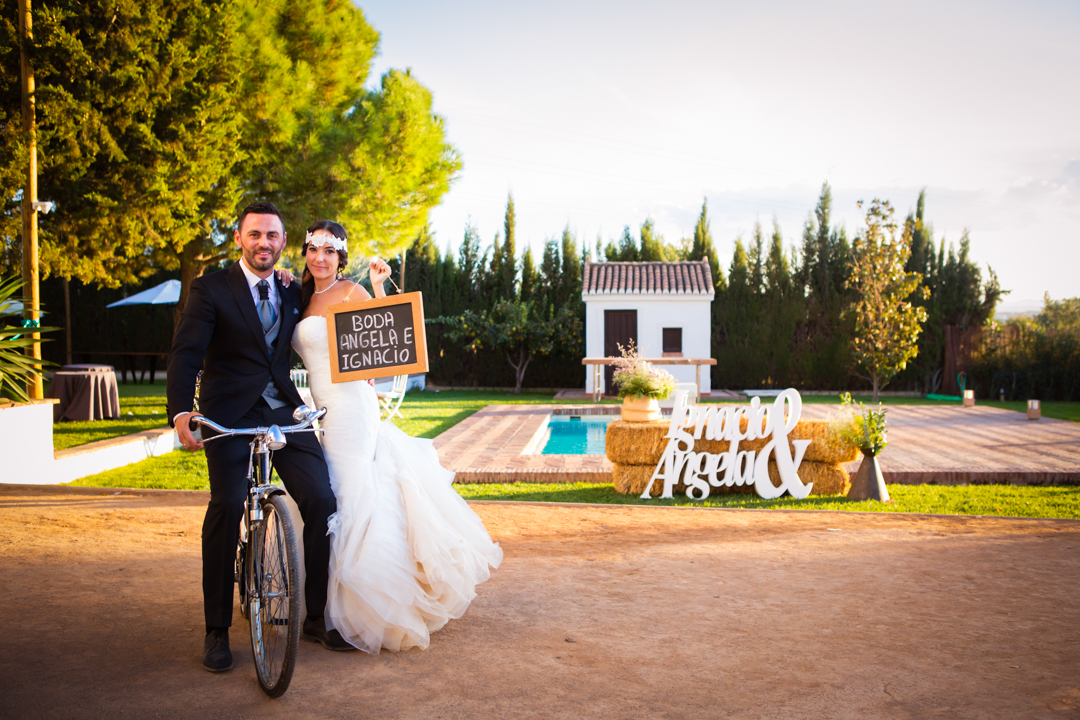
[{"x": 377, "y": 338}]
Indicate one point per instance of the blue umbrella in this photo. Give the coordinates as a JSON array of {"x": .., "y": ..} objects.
[{"x": 166, "y": 293}]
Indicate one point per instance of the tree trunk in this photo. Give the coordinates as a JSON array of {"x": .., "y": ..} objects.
[
  {"x": 877, "y": 386},
  {"x": 192, "y": 265},
  {"x": 67, "y": 319},
  {"x": 519, "y": 368}
]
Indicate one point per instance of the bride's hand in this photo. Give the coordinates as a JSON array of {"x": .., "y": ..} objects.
[
  {"x": 378, "y": 271},
  {"x": 285, "y": 276}
]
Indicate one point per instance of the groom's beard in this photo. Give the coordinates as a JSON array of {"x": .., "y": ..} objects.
[{"x": 253, "y": 261}]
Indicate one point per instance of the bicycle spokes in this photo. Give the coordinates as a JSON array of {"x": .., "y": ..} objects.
[{"x": 274, "y": 629}]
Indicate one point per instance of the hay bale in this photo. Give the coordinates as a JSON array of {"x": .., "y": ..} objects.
[
  {"x": 631, "y": 480},
  {"x": 635, "y": 443},
  {"x": 642, "y": 443},
  {"x": 828, "y": 479},
  {"x": 817, "y": 431}
]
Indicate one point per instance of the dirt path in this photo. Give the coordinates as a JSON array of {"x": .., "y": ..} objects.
[{"x": 596, "y": 613}]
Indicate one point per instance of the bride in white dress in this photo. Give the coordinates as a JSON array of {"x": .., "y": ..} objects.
[{"x": 406, "y": 551}]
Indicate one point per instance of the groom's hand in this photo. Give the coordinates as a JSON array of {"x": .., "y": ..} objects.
[{"x": 184, "y": 432}]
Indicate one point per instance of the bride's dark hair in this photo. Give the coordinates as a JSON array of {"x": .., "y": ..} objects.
[{"x": 307, "y": 280}]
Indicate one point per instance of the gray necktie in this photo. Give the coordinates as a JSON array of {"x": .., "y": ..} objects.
[
  {"x": 267, "y": 311},
  {"x": 268, "y": 316}
]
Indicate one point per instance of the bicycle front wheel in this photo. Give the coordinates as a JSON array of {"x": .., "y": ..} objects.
[{"x": 275, "y": 600}]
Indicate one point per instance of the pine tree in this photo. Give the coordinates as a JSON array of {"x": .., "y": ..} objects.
[{"x": 137, "y": 129}]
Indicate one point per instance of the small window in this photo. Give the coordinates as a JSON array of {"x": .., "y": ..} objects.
[{"x": 673, "y": 341}]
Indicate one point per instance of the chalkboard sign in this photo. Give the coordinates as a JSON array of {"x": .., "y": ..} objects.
[{"x": 377, "y": 338}]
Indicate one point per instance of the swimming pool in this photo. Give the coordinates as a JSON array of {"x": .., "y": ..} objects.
[{"x": 574, "y": 435}]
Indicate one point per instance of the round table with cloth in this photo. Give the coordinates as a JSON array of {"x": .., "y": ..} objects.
[{"x": 85, "y": 392}]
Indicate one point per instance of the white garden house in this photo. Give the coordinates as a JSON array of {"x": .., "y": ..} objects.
[{"x": 665, "y": 307}]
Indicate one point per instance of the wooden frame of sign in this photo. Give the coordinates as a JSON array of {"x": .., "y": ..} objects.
[{"x": 377, "y": 338}]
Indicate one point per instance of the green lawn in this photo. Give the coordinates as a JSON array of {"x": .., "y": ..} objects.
[
  {"x": 178, "y": 470},
  {"x": 142, "y": 407},
  {"x": 187, "y": 471},
  {"x": 1002, "y": 500}
]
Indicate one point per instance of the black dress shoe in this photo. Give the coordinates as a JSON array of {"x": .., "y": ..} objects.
[
  {"x": 216, "y": 654},
  {"x": 315, "y": 631}
]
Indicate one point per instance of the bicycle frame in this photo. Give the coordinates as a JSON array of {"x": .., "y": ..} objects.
[{"x": 267, "y": 579}]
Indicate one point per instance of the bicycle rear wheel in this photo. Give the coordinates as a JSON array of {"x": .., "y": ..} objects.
[{"x": 275, "y": 600}]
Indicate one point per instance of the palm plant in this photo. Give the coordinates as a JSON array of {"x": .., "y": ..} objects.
[{"x": 16, "y": 368}]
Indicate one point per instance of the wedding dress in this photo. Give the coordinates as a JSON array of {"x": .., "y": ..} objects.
[{"x": 406, "y": 551}]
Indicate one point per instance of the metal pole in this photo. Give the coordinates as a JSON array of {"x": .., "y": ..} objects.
[{"x": 31, "y": 271}]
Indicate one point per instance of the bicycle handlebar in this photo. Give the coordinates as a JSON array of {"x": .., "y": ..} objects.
[{"x": 226, "y": 432}]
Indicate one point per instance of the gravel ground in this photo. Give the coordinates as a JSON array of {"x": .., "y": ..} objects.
[{"x": 595, "y": 613}]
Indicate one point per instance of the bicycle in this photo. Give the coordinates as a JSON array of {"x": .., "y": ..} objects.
[{"x": 267, "y": 557}]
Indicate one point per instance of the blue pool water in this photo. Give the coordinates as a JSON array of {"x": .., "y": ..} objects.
[{"x": 571, "y": 435}]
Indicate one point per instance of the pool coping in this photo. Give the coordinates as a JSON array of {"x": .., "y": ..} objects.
[{"x": 543, "y": 433}]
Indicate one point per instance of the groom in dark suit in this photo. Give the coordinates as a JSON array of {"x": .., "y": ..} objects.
[{"x": 236, "y": 327}]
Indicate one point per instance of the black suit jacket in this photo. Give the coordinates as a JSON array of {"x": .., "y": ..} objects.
[{"x": 220, "y": 334}]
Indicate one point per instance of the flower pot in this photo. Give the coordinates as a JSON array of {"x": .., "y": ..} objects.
[
  {"x": 640, "y": 409},
  {"x": 26, "y": 429},
  {"x": 868, "y": 483}
]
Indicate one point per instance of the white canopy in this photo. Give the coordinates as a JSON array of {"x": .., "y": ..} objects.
[{"x": 166, "y": 293}]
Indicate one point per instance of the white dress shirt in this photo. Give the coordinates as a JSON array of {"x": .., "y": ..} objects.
[{"x": 253, "y": 281}]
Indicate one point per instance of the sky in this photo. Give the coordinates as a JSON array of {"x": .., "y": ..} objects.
[{"x": 597, "y": 115}]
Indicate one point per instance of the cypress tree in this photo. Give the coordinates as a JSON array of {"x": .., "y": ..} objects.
[
  {"x": 530, "y": 280},
  {"x": 571, "y": 277},
  {"x": 507, "y": 268},
  {"x": 652, "y": 244},
  {"x": 550, "y": 268},
  {"x": 702, "y": 246}
]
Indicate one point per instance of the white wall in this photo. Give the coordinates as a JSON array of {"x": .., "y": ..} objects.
[{"x": 654, "y": 313}]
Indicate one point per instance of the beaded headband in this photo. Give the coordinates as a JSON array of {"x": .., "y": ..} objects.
[{"x": 324, "y": 238}]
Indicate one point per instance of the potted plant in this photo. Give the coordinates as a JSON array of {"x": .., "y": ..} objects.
[
  {"x": 641, "y": 386},
  {"x": 866, "y": 429},
  {"x": 25, "y": 424},
  {"x": 16, "y": 368}
]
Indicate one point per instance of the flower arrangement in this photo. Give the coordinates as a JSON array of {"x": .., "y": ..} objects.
[
  {"x": 637, "y": 378},
  {"x": 856, "y": 425}
]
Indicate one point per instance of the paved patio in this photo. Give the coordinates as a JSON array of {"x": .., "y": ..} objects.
[
  {"x": 944, "y": 445},
  {"x": 928, "y": 444},
  {"x": 496, "y": 445}
]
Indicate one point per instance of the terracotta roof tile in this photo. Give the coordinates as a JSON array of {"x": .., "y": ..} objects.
[{"x": 648, "y": 278}]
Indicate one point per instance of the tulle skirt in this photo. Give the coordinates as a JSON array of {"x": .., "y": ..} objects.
[{"x": 406, "y": 551}]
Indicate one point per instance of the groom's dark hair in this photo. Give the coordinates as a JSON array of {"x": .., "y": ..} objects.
[{"x": 259, "y": 208}]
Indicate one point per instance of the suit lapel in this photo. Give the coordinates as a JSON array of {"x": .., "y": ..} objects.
[
  {"x": 289, "y": 314},
  {"x": 238, "y": 284}
]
